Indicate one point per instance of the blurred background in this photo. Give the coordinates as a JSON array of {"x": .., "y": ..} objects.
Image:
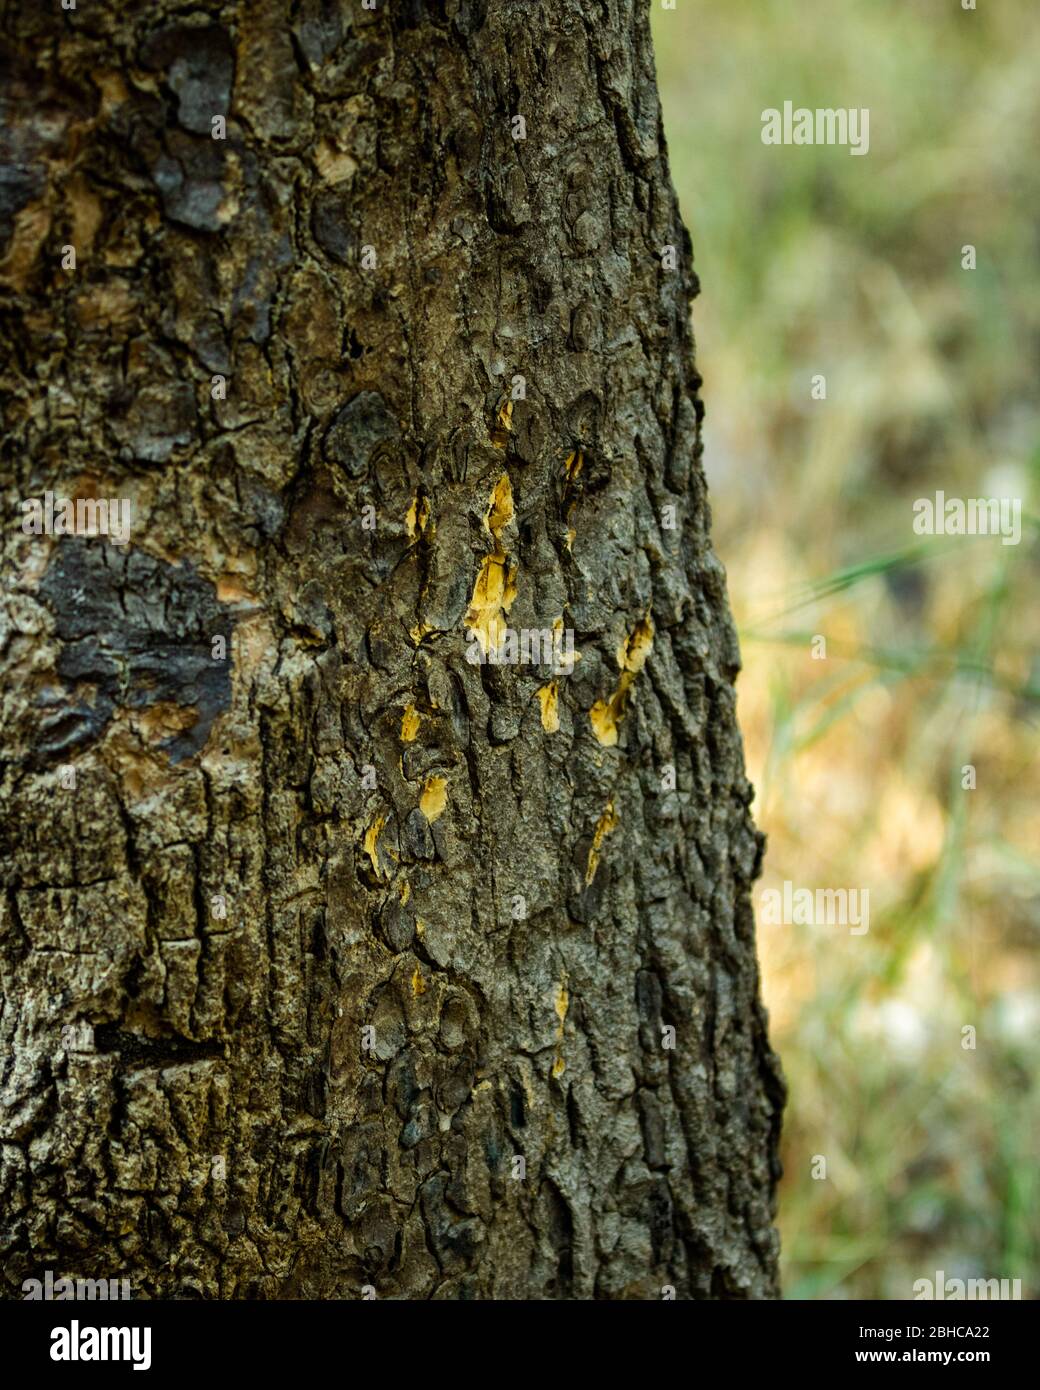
[{"x": 814, "y": 261}]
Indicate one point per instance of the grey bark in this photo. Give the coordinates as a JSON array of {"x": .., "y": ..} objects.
[{"x": 464, "y": 907}]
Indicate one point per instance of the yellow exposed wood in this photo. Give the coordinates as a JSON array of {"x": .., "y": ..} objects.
[
  {"x": 410, "y": 721},
  {"x": 503, "y": 425},
  {"x": 371, "y": 843},
  {"x": 434, "y": 798},
  {"x": 604, "y": 826},
  {"x": 549, "y": 699},
  {"x": 500, "y": 509},
  {"x": 632, "y": 654},
  {"x": 495, "y": 586},
  {"x": 417, "y": 516}
]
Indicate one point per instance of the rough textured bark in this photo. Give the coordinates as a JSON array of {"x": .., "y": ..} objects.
[{"x": 511, "y": 897}]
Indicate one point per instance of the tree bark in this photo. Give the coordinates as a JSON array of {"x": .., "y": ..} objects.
[{"x": 343, "y": 965}]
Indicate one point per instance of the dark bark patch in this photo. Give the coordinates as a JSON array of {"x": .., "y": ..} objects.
[
  {"x": 319, "y": 30},
  {"x": 357, "y": 431},
  {"x": 19, "y": 184},
  {"x": 199, "y": 66},
  {"x": 138, "y": 1050},
  {"x": 190, "y": 176},
  {"x": 136, "y": 631},
  {"x": 332, "y": 226}
]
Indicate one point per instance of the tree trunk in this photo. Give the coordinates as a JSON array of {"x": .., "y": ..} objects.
[{"x": 356, "y": 962}]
